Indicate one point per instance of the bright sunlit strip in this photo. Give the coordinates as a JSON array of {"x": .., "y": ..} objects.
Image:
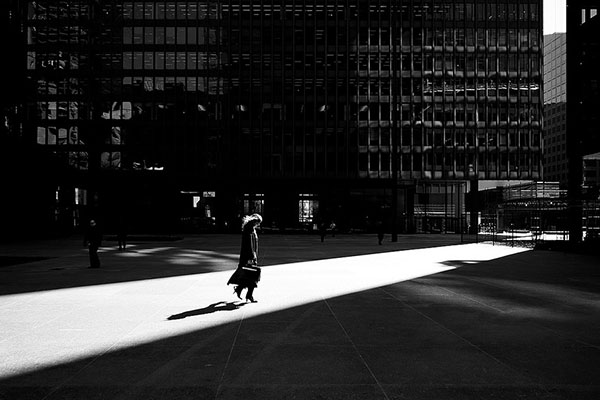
[{"x": 75, "y": 323}]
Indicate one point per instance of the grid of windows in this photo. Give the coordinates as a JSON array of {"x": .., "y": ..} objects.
[
  {"x": 290, "y": 89},
  {"x": 555, "y": 108}
]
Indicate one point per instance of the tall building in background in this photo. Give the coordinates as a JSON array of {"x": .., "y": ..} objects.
[
  {"x": 189, "y": 114},
  {"x": 583, "y": 92},
  {"x": 555, "y": 108}
]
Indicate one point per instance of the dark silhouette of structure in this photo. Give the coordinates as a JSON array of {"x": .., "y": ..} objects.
[
  {"x": 583, "y": 92},
  {"x": 199, "y": 112}
]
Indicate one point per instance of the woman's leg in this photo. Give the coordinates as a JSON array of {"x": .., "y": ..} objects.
[
  {"x": 249, "y": 296},
  {"x": 238, "y": 291}
]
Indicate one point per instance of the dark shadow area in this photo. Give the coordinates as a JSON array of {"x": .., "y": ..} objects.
[
  {"x": 6, "y": 261},
  {"x": 215, "y": 307},
  {"x": 558, "y": 269},
  {"x": 414, "y": 335},
  {"x": 145, "y": 238},
  {"x": 192, "y": 255},
  {"x": 590, "y": 247}
]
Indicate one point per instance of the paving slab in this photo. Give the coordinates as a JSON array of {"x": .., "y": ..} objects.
[{"x": 426, "y": 317}]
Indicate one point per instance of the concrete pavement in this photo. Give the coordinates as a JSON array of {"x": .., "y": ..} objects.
[{"x": 423, "y": 318}]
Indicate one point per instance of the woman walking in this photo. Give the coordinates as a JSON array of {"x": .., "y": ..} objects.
[{"x": 247, "y": 273}]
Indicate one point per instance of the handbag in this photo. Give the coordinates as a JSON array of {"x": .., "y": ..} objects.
[{"x": 251, "y": 272}]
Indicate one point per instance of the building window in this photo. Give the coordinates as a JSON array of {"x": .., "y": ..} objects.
[
  {"x": 254, "y": 203},
  {"x": 307, "y": 208}
]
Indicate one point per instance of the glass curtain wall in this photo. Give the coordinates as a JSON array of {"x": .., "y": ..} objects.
[
  {"x": 291, "y": 89},
  {"x": 236, "y": 95}
]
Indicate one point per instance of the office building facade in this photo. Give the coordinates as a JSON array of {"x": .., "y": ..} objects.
[
  {"x": 555, "y": 108},
  {"x": 197, "y": 112}
]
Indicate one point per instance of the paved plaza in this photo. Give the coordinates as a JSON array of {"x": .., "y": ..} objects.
[{"x": 422, "y": 318}]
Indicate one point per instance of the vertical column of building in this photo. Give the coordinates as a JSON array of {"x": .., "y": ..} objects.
[
  {"x": 260, "y": 30},
  {"x": 240, "y": 106},
  {"x": 350, "y": 77},
  {"x": 534, "y": 91},
  {"x": 164, "y": 19},
  {"x": 314, "y": 93},
  {"x": 13, "y": 17},
  {"x": 486, "y": 141},
  {"x": 554, "y": 140},
  {"x": 26, "y": 175},
  {"x": 93, "y": 99},
  {"x": 582, "y": 93},
  {"x": 186, "y": 16}
]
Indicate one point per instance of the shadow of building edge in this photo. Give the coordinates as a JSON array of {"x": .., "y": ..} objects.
[{"x": 292, "y": 252}]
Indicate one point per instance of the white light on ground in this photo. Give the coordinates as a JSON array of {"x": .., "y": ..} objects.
[{"x": 76, "y": 323}]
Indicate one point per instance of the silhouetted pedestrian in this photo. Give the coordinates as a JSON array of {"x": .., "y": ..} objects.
[
  {"x": 332, "y": 227},
  {"x": 247, "y": 273},
  {"x": 322, "y": 231},
  {"x": 380, "y": 232},
  {"x": 93, "y": 240},
  {"x": 122, "y": 234}
]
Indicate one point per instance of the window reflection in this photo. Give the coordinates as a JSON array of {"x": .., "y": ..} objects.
[{"x": 221, "y": 71}]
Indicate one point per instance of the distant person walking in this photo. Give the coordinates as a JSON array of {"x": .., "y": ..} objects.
[
  {"x": 380, "y": 232},
  {"x": 93, "y": 240},
  {"x": 332, "y": 227},
  {"x": 122, "y": 234},
  {"x": 322, "y": 231},
  {"x": 247, "y": 273}
]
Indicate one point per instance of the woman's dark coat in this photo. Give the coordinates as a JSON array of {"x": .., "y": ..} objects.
[
  {"x": 248, "y": 255},
  {"x": 249, "y": 250}
]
